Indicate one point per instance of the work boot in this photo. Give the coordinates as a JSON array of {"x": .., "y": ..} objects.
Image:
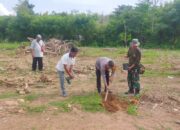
[
  {"x": 136, "y": 91},
  {"x": 129, "y": 92},
  {"x": 99, "y": 90},
  {"x": 64, "y": 94}
]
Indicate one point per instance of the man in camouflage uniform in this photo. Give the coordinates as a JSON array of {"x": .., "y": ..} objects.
[{"x": 134, "y": 55}]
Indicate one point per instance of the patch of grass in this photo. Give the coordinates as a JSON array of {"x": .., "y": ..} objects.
[
  {"x": 32, "y": 97},
  {"x": 3, "y": 63},
  {"x": 102, "y": 52},
  {"x": 63, "y": 106},
  {"x": 33, "y": 128},
  {"x": 132, "y": 110},
  {"x": 149, "y": 56},
  {"x": 150, "y": 53},
  {"x": 156, "y": 73},
  {"x": 8, "y": 95},
  {"x": 166, "y": 65},
  {"x": 175, "y": 53},
  {"x": 34, "y": 109},
  {"x": 148, "y": 61},
  {"x": 138, "y": 96},
  {"x": 139, "y": 127},
  {"x": 162, "y": 57},
  {"x": 168, "y": 129},
  {"x": 89, "y": 102},
  {"x": 10, "y": 53},
  {"x": 11, "y": 46},
  {"x": 163, "y": 128}
]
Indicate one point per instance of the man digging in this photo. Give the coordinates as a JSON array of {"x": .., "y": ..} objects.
[
  {"x": 134, "y": 55},
  {"x": 103, "y": 67},
  {"x": 37, "y": 50},
  {"x": 65, "y": 65}
]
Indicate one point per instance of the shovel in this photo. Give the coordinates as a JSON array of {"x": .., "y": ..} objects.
[{"x": 106, "y": 95}]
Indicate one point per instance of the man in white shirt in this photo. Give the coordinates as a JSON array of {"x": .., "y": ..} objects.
[
  {"x": 37, "y": 50},
  {"x": 65, "y": 65}
]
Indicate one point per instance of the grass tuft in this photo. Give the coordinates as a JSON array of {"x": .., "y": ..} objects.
[
  {"x": 132, "y": 110},
  {"x": 32, "y": 97},
  {"x": 8, "y": 95},
  {"x": 89, "y": 102},
  {"x": 34, "y": 109}
]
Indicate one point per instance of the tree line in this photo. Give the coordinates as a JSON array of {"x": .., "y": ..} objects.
[{"x": 154, "y": 24}]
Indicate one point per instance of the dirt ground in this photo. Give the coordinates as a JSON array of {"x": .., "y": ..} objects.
[{"x": 158, "y": 109}]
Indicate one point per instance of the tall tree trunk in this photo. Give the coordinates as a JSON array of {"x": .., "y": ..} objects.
[
  {"x": 125, "y": 34},
  {"x": 155, "y": 2},
  {"x": 152, "y": 25}
]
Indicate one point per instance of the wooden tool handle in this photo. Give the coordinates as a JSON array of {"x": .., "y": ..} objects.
[{"x": 106, "y": 95}]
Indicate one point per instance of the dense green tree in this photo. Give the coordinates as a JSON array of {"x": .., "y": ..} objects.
[
  {"x": 149, "y": 21},
  {"x": 24, "y": 8}
]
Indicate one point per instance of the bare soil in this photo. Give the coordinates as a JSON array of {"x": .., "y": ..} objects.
[{"x": 158, "y": 108}]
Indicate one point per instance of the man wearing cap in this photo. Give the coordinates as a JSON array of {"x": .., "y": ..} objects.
[
  {"x": 134, "y": 55},
  {"x": 103, "y": 66},
  {"x": 37, "y": 50}
]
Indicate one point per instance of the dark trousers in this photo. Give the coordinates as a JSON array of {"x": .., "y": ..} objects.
[
  {"x": 39, "y": 61},
  {"x": 98, "y": 79}
]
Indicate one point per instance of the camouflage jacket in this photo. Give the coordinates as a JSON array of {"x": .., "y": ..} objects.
[{"x": 134, "y": 55}]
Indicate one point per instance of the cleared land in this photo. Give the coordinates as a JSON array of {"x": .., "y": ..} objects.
[{"x": 158, "y": 106}]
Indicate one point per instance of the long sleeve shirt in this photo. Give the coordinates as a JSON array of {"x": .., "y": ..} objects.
[
  {"x": 100, "y": 65},
  {"x": 134, "y": 55}
]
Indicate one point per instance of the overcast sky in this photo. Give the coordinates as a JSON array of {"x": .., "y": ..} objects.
[{"x": 41, "y": 6}]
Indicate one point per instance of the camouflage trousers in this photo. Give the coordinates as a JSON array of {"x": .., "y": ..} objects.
[{"x": 133, "y": 81}]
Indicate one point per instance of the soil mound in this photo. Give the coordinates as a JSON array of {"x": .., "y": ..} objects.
[{"x": 113, "y": 103}]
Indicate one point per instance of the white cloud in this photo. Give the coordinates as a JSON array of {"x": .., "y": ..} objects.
[
  {"x": 98, "y": 6},
  {"x": 4, "y": 11}
]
